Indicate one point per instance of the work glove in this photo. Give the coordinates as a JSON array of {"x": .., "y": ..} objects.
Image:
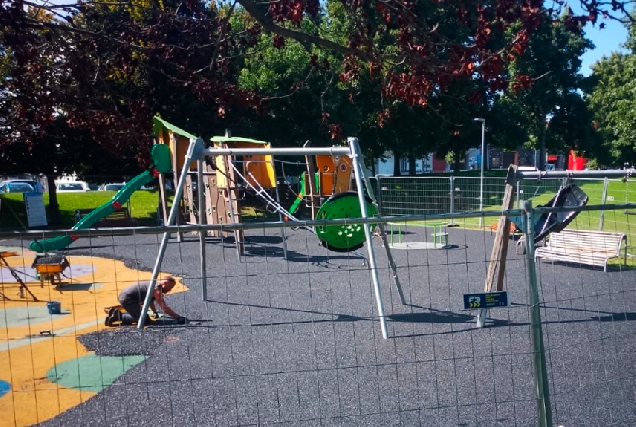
[{"x": 182, "y": 320}]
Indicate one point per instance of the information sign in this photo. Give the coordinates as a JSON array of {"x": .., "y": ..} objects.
[
  {"x": 485, "y": 300},
  {"x": 36, "y": 212}
]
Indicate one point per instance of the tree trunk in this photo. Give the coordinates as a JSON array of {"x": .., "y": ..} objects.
[
  {"x": 542, "y": 153},
  {"x": 456, "y": 162},
  {"x": 54, "y": 207},
  {"x": 412, "y": 164},
  {"x": 397, "y": 156}
]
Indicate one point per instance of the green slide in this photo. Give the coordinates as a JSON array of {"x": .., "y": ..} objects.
[{"x": 160, "y": 154}]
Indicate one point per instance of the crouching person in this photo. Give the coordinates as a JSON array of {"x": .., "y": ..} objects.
[{"x": 132, "y": 300}]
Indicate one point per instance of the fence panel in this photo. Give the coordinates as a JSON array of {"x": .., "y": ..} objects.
[
  {"x": 413, "y": 195},
  {"x": 587, "y": 318},
  {"x": 289, "y": 332}
]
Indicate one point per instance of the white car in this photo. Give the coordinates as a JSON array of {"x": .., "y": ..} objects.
[
  {"x": 115, "y": 186},
  {"x": 17, "y": 186},
  {"x": 71, "y": 186}
]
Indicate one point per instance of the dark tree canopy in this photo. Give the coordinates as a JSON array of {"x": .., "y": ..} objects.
[{"x": 109, "y": 66}]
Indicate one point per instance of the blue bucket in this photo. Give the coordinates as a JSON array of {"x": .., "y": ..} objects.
[{"x": 55, "y": 307}]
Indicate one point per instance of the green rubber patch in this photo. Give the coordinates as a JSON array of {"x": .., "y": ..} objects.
[{"x": 91, "y": 372}]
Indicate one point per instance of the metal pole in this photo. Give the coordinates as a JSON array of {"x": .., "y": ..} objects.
[
  {"x": 481, "y": 179},
  {"x": 481, "y": 175},
  {"x": 357, "y": 168},
  {"x": 544, "y": 408},
  {"x": 298, "y": 151},
  {"x": 202, "y": 221},
  {"x": 452, "y": 197},
  {"x": 281, "y": 218},
  {"x": 601, "y": 219},
  {"x": 194, "y": 147}
]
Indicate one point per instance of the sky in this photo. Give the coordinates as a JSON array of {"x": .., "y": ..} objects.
[{"x": 607, "y": 40}]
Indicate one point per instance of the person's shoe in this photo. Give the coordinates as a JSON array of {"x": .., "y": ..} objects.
[{"x": 113, "y": 316}]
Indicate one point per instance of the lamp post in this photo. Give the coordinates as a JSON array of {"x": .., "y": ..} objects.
[{"x": 481, "y": 176}]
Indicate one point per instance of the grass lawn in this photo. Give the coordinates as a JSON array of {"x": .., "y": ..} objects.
[{"x": 143, "y": 208}]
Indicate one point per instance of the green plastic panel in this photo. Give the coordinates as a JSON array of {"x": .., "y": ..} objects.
[
  {"x": 158, "y": 123},
  {"x": 160, "y": 154},
  {"x": 343, "y": 238}
]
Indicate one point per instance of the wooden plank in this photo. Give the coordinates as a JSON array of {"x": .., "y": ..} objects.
[
  {"x": 163, "y": 199},
  {"x": 497, "y": 266}
]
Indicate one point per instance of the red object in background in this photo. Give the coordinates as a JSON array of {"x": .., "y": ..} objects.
[
  {"x": 439, "y": 165},
  {"x": 576, "y": 163},
  {"x": 552, "y": 158},
  {"x": 116, "y": 205}
]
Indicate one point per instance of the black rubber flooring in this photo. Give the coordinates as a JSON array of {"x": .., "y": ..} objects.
[{"x": 296, "y": 340}]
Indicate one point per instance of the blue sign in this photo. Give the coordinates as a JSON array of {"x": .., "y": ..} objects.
[
  {"x": 485, "y": 300},
  {"x": 479, "y": 159}
]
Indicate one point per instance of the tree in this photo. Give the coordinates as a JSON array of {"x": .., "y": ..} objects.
[
  {"x": 522, "y": 113},
  {"x": 94, "y": 61},
  {"x": 614, "y": 108}
]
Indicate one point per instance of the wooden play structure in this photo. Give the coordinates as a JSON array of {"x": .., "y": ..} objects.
[
  {"x": 332, "y": 175},
  {"x": 223, "y": 181},
  {"x": 226, "y": 179}
]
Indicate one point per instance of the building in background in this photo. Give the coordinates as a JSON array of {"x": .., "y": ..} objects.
[{"x": 424, "y": 165}]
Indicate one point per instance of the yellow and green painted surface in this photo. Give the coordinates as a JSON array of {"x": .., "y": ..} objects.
[{"x": 45, "y": 369}]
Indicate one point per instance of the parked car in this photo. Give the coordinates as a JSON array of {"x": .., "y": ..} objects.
[
  {"x": 15, "y": 187},
  {"x": 68, "y": 186},
  {"x": 114, "y": 186}
]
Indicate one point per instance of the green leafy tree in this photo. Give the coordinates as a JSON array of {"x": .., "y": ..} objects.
[
  {"x": 109, "y": 67},
  {"x": 520, "y": 115},
  {"x": 613, "y": 104}
]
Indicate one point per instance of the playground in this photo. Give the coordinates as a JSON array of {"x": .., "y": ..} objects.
[
  {"x": 353, "y": 320},
  {"x": 297, "y": 341}
]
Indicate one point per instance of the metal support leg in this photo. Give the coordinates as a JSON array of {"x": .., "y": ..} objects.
[
  {"x": 195, "y": 146},
  {"x": 357, "y": 168},
  {"x": 202, "y": 221}
]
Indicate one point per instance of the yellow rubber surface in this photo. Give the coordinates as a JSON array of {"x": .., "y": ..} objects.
[{"x": 32, "y": 341}]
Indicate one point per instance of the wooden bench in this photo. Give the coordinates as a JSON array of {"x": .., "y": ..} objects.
[
  {"x": 119, "y": 218},
  {"x": 583, "y": 247}
]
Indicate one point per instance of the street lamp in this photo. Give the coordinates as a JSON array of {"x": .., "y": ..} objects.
[{"x": 481, "y": 176}]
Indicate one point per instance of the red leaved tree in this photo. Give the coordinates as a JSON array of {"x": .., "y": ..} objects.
[{"x": 108, "y": 67}]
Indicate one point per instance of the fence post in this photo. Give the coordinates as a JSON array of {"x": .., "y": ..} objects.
[
  {"x": 378, "y": 194},
  {"x": 452, "y": 198},
  {"x": 544, "y": 408},
  {"x": 601, "y": 219}
]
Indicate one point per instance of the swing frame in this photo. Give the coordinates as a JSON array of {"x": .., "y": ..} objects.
[{"x": 198, "y": 152}]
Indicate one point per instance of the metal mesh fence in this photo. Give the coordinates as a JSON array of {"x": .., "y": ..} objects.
[
  {"x": 435, "y": 195},
  {"x": 289, "y": 334}
]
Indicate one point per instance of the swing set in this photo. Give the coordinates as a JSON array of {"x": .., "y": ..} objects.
[
  {"x": 226, "y": 178},
  {"x": 219, "y": 181}
]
